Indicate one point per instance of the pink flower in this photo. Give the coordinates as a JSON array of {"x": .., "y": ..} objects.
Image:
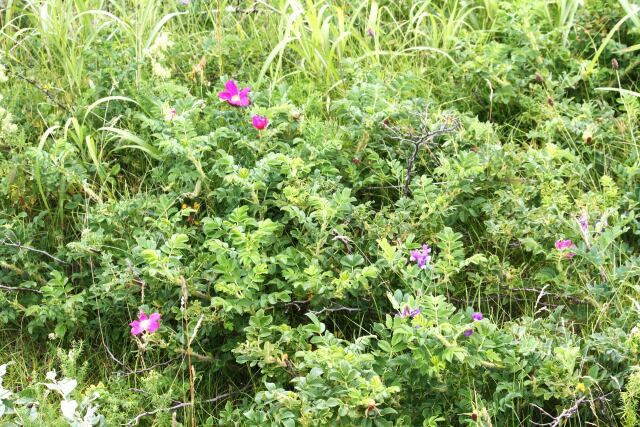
[
  {"x": 259, "y": 122},
  {"x": 561, "y": 245},
  {"x": 145, "y": 324},
  {"x": 233, "y": 96}
]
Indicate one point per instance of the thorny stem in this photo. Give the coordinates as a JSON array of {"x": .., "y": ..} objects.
[
  {"x": 407, "y": 178},
  {"x": 183, "y": 284}
]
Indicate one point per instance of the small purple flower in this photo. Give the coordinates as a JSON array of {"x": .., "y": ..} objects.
[
  {"x": 185, "y": 2},
  {"x": 468, "y": 332},
  {"x": 407, "y": 312},
  {"x": 584, "y": 221},
  {"x": 476, "y": 317},
  {"x": 371, "y": 33},
  {"x": 422, "y": 257}
]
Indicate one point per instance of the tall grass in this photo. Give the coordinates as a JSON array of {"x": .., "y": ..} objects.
[
  {"x": 315, "y": 37},
  {"x": 561, "y": 14}
]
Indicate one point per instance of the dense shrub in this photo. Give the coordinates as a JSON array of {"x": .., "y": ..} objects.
[{"x": 286, "y": 264}]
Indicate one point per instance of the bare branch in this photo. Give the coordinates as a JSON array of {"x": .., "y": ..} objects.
[
  {"x": 419, "y": 139},
  {"x": 18, "y": 289},
  {"x": 295, "y": 304},
  {"x": 37, "y": 86},
  {"x": 29, "y": 248},
  {"x": 333, "y": 309},
  {"x": 567, "y": 413}
]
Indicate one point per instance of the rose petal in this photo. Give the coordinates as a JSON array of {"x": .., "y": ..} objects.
[
  {"x": 224, "y": 96},
  {"x": 135, "y": 327},
  {"x": 231, "y": 87}
]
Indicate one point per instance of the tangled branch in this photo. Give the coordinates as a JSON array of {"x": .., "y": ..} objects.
[
  {"x": 9, "y": 242},
  {"x": 419, "y": 138},
  {"x": 567, "y": 413}
]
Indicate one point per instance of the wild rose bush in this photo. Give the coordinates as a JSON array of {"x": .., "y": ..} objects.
[{"x": 209, "y": 225}]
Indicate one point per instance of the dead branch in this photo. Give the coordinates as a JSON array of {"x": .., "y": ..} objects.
[
  {"x": 567, "y": 413},
  {"x": 419, "y": 138}
]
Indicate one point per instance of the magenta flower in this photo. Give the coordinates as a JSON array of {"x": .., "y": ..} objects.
[
  {"x": 561, "y": 245},
  {"x": 259, "y": 122},
  {"x": 476, "y": 317},
  {"x": 407, "y": 312},
  {"x": 145, "y": 324},
  {"x": 422, "y": 257},
  {"x": 233, "y": 96},
  {"x": 468, "y": 332}
]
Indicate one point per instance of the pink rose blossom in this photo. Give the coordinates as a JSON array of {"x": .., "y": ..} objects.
[
  {"x": 233, "y": 96},
  {"x": 145, "y": 324},
  {"x": 259, "y": 122}
]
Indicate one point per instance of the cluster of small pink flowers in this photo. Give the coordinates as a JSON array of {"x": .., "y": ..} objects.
[{"x": 240, "y": 98}]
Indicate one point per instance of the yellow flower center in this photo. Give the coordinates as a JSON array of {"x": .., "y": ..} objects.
[
  {"x": 144, "y": 325},
  {"x": 235, "y": 98}
]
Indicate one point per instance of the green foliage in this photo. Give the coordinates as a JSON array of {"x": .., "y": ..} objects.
[{"x": 279, "y": 259}]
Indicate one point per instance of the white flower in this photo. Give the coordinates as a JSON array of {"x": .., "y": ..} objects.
[
  {"x": 161, "y": 43},
  {"x": 160, "y": 71}
]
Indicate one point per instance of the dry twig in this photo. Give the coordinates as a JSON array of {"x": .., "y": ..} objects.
[{"x": 567, "y": 413}]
